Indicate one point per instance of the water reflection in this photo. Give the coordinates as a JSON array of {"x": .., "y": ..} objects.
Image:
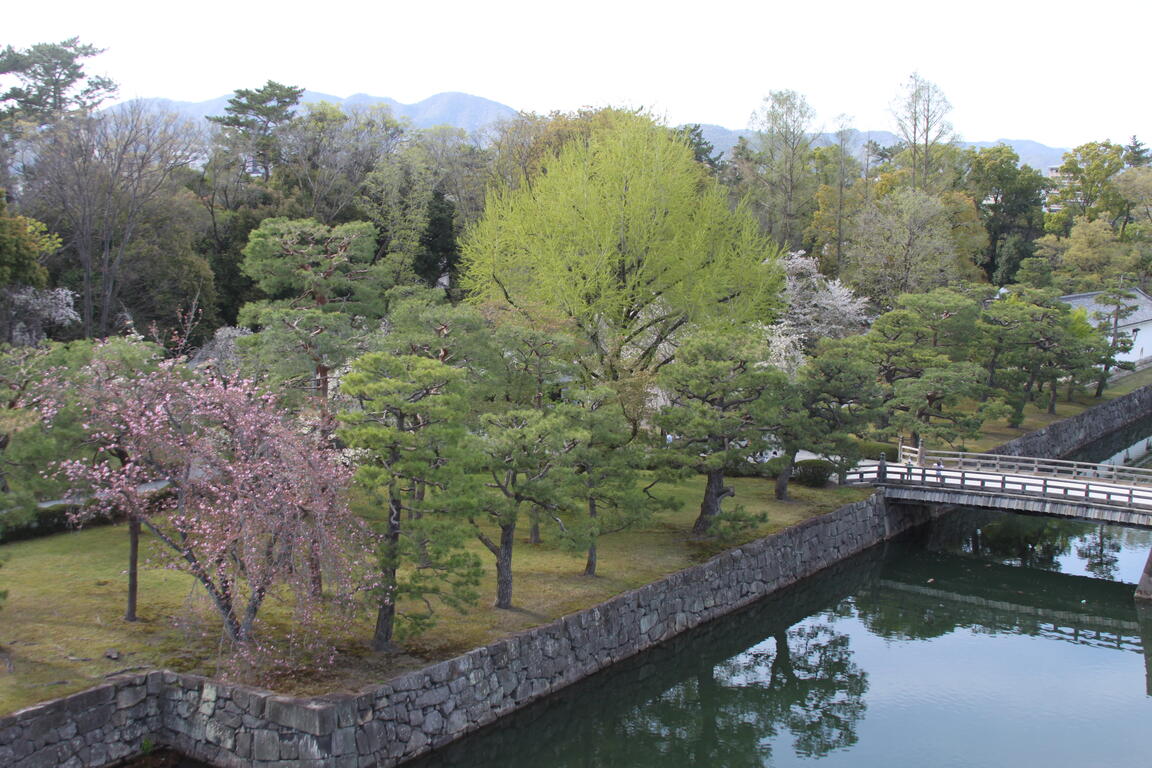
[{"x": 845, "y": 666}]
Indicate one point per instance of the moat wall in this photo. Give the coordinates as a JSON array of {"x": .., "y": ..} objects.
[{"x": 1068, "y": 435}]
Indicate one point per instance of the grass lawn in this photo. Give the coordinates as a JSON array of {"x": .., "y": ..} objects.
[{"x": 62, "y": 620}]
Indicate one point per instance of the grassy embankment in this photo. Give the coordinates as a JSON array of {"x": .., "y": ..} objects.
[
  {"x": 66, "y": 599},
  {"x": 66, "y": 593}
]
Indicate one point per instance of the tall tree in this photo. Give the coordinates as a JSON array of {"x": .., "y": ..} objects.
[
  {"x": 921, "y": 114},
  {"x": 778, "y": 169},
  {"x": 408, "y": 425},
  {"x": 327, "y": 153},
  {"x": 837, "y": 200},
  {"x": 93, "y": 180},
  {"x": 1010, "y": 199},
  {"x": 627, "y": 238},
  {"x": 1086, "y": 187},
  {"x": 253, "y": 116},
  {"x": 902, "y": 243},
  {"x": 52, "y": 80},
  {"x": 51, "y": 83}
]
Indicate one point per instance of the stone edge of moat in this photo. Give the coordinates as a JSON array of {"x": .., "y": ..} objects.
[{"x": 226, "y": 724}]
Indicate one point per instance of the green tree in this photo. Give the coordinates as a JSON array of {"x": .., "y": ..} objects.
[
  {"x": 902, "y": 243},
  {"x": 323, "y": 283},
  {"x": 702, "y": 149},
  {"x": 408, "y": 424},
  {"x": 1010, "y": 200},
  {"x": 327, "y": 154},
  {"x": 20, "y": 249},
  {"x": 520, "y": 456},
  {"x": 1087, "y": 187},
  {"x": 252, "y": 119},
  {"x": 838, "y": 199},
  {"x": 921, "y": 114},
  {"x": 628, "y": 239},
  {"x": 777, "y": 166},
  {"x": 52, "y": 80},
  {"x": 1136, "y": 154},
  {"x": 831, "y": 398},
  {"x": 605, "y": 470},
  {"x": 719, "y": 404}
]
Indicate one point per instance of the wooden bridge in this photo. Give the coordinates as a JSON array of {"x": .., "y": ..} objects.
[{"x": 1104, "y": 493}]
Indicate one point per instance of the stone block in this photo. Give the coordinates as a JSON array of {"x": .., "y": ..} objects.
[
  {"x": 266, "y": 745},
  {"x": 316, "y": 718},
  {"x": 218, "y": 733}
]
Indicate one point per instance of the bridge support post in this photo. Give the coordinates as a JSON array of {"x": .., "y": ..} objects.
[
  {"x": 1144, "y": 616},
  {"x": 1144, "y": 588}
]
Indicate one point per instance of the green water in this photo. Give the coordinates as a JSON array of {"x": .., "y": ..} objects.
[{"x": 986, "y": 640}]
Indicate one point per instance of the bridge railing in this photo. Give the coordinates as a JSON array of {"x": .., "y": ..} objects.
[
  {"x": 994, "y": 462},
  {"x": 985, "y": 482}
]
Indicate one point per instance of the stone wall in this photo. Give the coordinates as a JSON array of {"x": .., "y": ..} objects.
[
  {"x": 233, "y": 725},
  {"x": 1063, "y": 437}
]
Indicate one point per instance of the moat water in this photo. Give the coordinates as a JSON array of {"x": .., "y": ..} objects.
[{"x": 987, "y": 639}]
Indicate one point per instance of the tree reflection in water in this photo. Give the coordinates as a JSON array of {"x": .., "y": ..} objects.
[
  {"x": 724, "y": 695},
  {"x": 802, "y": 680}
]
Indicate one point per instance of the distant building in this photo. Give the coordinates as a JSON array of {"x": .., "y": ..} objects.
[
  {"x": 1059, "y": 181},
  {"x": 1138, "y": 325}
]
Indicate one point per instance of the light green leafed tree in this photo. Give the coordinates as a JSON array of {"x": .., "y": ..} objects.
[
  {"x": 626, "y": 237},
  {"x": 1088, "y": 187}
]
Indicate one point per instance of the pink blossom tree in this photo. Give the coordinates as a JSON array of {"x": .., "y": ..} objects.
[{"x": 241, "y": 498}]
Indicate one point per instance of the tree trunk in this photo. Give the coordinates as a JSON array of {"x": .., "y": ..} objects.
[
  {"x": 504, "y": 566},
  {"x": 133, "y": 567},
  {"x": 590, "y": 564},
  {"x": 534, "y": 531},
  {"x": 385, "y": 624},
  {"x": 315, "y": 572},
  {"x": 714, "y": 493},
  {"x": 784, "y": 476},
  {"x": 386, "y": 615}
]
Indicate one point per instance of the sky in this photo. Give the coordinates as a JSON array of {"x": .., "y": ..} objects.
[{"x": 1054, "y": 72}]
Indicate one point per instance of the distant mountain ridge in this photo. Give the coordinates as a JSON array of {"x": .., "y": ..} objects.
[
  {"x": 459, "y": 110},
  {"x": 473, "y": 113},
  {"x": 1033, "y": 153}
]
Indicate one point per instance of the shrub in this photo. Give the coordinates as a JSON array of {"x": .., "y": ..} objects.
[
  {"x": 773, "y": 467},
  {"x": 813, "y": 473},
  {"x": 871, "y": 449}
]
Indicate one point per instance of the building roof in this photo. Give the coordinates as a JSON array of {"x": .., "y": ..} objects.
[{"x": 1143, "y": 302}]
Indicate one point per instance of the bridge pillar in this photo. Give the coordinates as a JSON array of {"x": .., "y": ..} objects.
[
  {"x": 1144, "y": 616},
  {"x": 1144, "y": 588}
]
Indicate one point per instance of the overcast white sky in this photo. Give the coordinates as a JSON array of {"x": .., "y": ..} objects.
[{"x": 1057, "y": 72}]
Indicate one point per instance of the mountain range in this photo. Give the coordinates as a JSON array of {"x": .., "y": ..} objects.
[{"x": 473, "y": 113}]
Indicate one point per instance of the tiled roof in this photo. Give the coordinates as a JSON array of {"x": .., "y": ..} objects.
[{"x": 1142, "y": 301}]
